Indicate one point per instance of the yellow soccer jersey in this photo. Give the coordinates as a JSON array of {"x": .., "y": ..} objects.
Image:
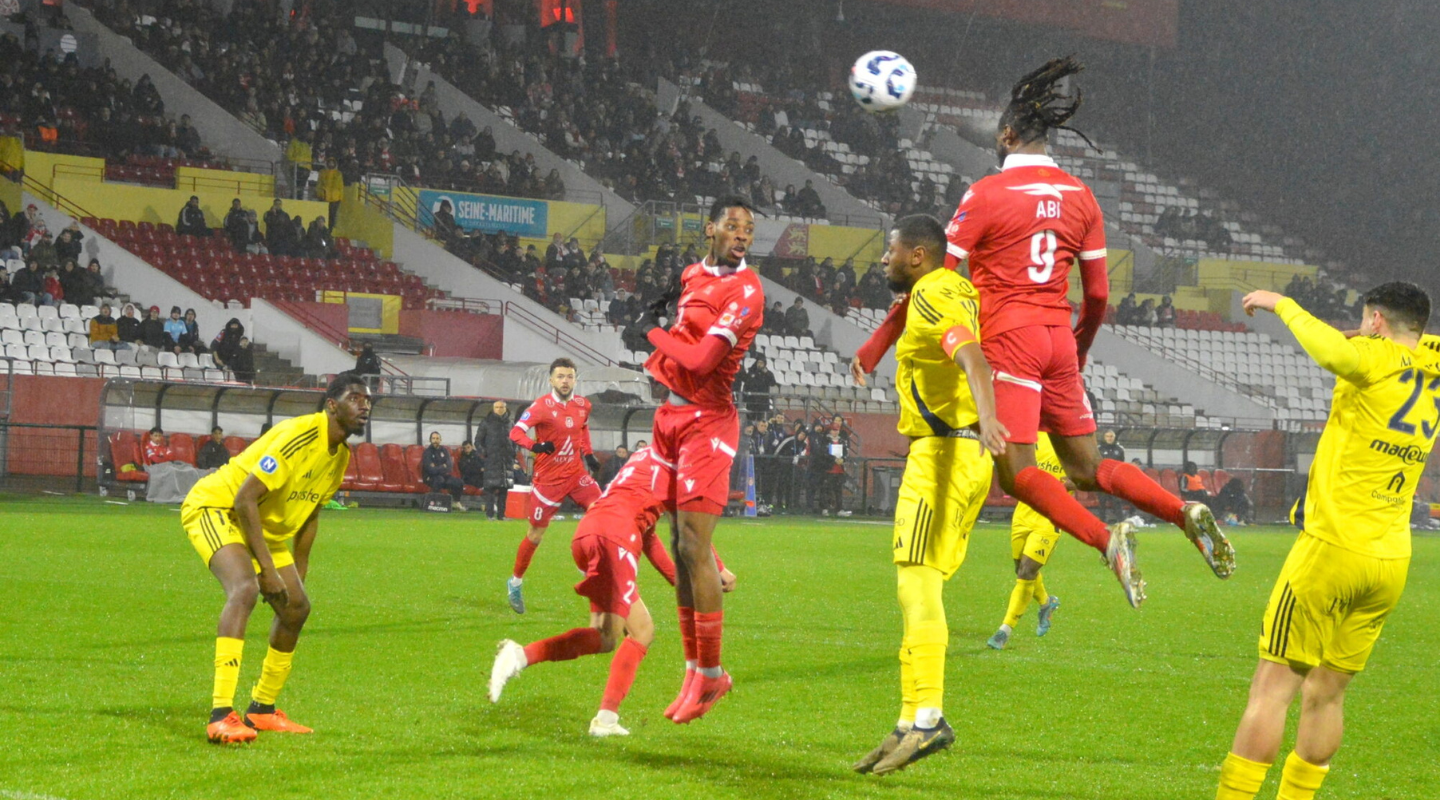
[
  {"x": 1383, "y": 419},
  {"x": 293, "y": 462},
  {"x": 934, "y": 396}
]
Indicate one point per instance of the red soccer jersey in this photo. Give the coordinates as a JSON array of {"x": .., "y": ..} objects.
[
  {"x": 567, "y": 425},
  {"x": 1023, "y": 230},
  {"x": 158, "y": 453},
  {"x": 630, "y": 496},
  {"x": 713, "y": 301}
]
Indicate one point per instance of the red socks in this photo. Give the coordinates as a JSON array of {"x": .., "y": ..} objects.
[
  {"x": 622, "y": 673},
  {"x": 1043, "y": 492},
  {"x": 707, "y": 637},
  {"x": 1129, "y": 482},
  {"x": 523, "y": 556},
  {"x": 687, "y": 633},
  {"x": 570, "y": 644}
]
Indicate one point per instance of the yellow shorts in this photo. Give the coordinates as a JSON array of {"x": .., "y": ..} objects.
[
  {"x": 1329, "y": 605},
  {"x": 944, "y": 488},
  {"x": 211, "y": 528},
  {"x": 1031, "y": 534}
]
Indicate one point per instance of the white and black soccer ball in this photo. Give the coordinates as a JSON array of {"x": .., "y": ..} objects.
[{"x": 882, "y": 81}]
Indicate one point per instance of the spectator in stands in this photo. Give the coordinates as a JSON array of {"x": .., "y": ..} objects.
[
  {"x": 72, "y": 283},
  {"x": 53, "y": 287},
  {"x": 367, "y": 363},
  {"x": 755, "y": 385},
  {"x": 236, "y": 226},
  {"x": 1125, "y": 312},
  {"x": 6, "y": 295},
  {"x": 225, "y": 344},
  {"x": 612, "y": 466},
  {"x": 797, "y": 319},
  {"x": 251, "y": 239},
  {"x": 175, "y": 330},
  {"x": 788, "y": 453},
  {"x": 152, "y": 331},
  {"x": 774, "y": 322},
  {"x": 68, "y": 243},
  {"x": 191, "y": 341},
  {"x": 104, "y": 332},
  {"x": 213, "y": 454},
  {"x": 1233, "y": 505},
  {"x": 157, "y": 449},
  {"x": 92, "y": 287},
  {"x": 1165, "y": 313},
  {"x": 1145, "y": 314},
  {"x": 499, "y": 454},
  {"x": 331, "y": 189},
  {"x": 29, "y": 285},
  {"x": 1111, "y": 508},
  {"x": 874, "y": 289},
  {"x": 808, "y": 202},
  {"x": 191, "y": 220},
  {"x": 833, "y": 488},
  {"x": 42, "y": 249},
  {"x": 436, "y": 468},
  {"x": 1192, "y": 485},
  {"x": 243, "y": 362},
  {"x": 471, "y": 465},
  {"x": 187, "y": 139},
  {"x": 318, "y": 241},
  {"x": 128, "y": 326},
  {"x": 446, "y": 229},
  {"x": 299, "y": 155}
]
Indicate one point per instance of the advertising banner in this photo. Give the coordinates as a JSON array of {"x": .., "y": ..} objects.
[{"x": 488, "y": 213}]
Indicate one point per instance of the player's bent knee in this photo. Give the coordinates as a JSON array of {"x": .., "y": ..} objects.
[
  {"x": 1027, "y": 568},
  {"x": 244, "y": 593}
]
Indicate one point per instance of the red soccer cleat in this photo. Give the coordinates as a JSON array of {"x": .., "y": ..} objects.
[
  {"x": 276, "y": 722},
  {"x": 680, "y": 698},
  {"x": 230, "y": 730},
  {"x": 704, "y": 693}
]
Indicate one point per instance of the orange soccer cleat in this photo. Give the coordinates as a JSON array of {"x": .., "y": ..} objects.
[
  {"x": 704, "y": 692},
  {"x": 230, "y": 730},
  {"x": 276, "y": 722}
]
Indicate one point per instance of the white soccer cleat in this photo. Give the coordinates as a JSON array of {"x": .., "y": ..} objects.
[
  {"x": 607, "y": 727},
  {"x": 1120, "y": 558},
  {"x": 509, "y": 661}
]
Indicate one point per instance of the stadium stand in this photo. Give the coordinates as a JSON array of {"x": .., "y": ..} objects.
[{"x": 51, "y": 340}]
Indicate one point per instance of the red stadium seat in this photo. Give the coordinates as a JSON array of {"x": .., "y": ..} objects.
[
  {"x": 235, "y": 445},
  {"x": 125, "y": 449},
  {"x": 1221, "y": 479},
  {"x": 1207, "y": 479},
  {"x": 1170, "y": 481},
  {"x": 413, "y": 455},
  {"x": 392, "y": 462},
  {"x": 184, "y": 447},
  {"x": 352, "y": 475},
  {"x": 370, "y": 474}
]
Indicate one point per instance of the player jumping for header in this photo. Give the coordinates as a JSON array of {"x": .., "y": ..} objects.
[
  {"x": 556, "y": 428},
  {"x": 696, "y": 431},
  {"x": 1022, "y": 231}
]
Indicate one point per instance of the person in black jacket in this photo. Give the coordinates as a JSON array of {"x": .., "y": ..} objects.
[
  {"x": 237, "y": 226},
  {"x": 213, "y": 454},
  {"x": 368, "y": 363},
  {"x": 243, "y": 362},
  {"x": 1112, "y": 509},
  {"x": 499, "y": 454},
  {"x": 612, "y": 467},
  {"x": 437, "y": 468},
  {"x": 472, "y": 466},
  {"x": 191, "y": 221},
  {"x": 128, "y": 326},
  {"x": 152, "y": 330}
]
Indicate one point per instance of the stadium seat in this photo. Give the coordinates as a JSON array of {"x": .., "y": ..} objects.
[
  {"x": 413, "y": 456},
  {"x": 369, "y": 469},
  {"x": 234, "y": 445},
  {"x": 183, "y": 446},
  {"x": 392, "y": 462}
]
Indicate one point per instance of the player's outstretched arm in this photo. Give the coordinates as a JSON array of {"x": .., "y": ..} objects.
[
  {"x": 1330, "y": 348},
  {"x": 304, "y": 540},
  {"x": 702, "y": 356},
  {"x": 868, "y": 356},
  {"x": 1095, "y": 283},
  {"x": 247, "y": 513}
]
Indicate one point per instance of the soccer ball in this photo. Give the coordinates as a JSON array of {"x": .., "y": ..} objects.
[{"x": 882, "y": 81}]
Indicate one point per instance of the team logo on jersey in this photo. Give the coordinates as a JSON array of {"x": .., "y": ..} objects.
[
  {"x": 726, "y": 320},
  {"x": 689, "y": 484},
  {"x": 969, "y": 193},
  {"x": 1408, "y": 454},
  {"x": 954, "y": 226},
  {"x": 268, "y": 465},
  {"x": 569, "y": 422},
  {"x": 1054, "y": 190},
  {"x": 525, "y": 416},
  {"x": 749, "y": 290}
]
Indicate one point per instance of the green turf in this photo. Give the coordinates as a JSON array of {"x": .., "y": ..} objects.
[{"x": 106, "y": 640}]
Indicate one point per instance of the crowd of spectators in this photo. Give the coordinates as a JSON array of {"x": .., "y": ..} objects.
[
  {"x": 44, "y": 271},
  {"x": 1324, "y": 298},
  {"x": 799, "y": 467},
  {"x": 838, "y": 288},
  {"x": 1145, "y": 312},
  {"x": 1175, "y": 223}
]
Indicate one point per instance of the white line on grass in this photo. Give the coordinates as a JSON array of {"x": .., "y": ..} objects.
[{"x": 10, "y": 794}]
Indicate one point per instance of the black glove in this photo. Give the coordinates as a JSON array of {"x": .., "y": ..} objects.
[
  {"x": 543, "y": 448},
  {"x": 592, "y": 463},
  {"x": 660, "y": 308}
]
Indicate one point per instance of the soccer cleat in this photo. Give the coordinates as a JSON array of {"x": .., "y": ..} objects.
[
  {"x": 230, "y": 730},
  {"x": 997, "y": 642},
  {"x": 509, "y": 660},
  {"x": 1047, "y": 611},
  {"x": 276, "y": 722},
  {"x": 887, "y": 746},
  {"x": 599, "y": 728},
  {"x": 512, "y": 593},
  {"x": 915, "y": 745},
  {"x": 680, "y": 698},
  {"x": 1204, "y": 533},
  {"x": 1120, "y": 558},
  {"x": 703, "y": 695}
]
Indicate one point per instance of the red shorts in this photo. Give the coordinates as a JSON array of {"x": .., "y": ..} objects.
[
  {"x": 609, "y": 569},
  {"x": 698, "y": 444},
  {"x": 545, "y": 498},
  {"x": 1037, "y": 383}
]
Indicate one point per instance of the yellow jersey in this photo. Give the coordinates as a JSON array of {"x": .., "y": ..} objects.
[
  {"x": 935, "y": 398},
  {"x": 1384, "y": 415},
  {"x": 297, "y": 468}
]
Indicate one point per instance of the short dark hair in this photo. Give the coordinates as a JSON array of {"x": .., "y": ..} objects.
[
  {"x": 217, "y": 428},
  {"x": 156, "y": 429},
  {"x": 342, "y": 383},
  {"x": 1402, "y": 303},
  {"x": 561, "y": 363},
  {"x": 724, "y": 202},
  {"x": 922, "y": 230}
]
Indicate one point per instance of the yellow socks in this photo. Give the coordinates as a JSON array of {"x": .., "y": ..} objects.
[
  {"x": 227, "y": 670},
  {"x": 272, "y": 677},
  {"x": 927, "y": 643},
  {"x": 1240, "y": 778},
  {"x": 907, "y": 686},
  {"x": 1019, "y": 601},
  {"x": 1041, "y": 596},
  {"x": 1301, "y": 779},
  {"x": 921, "y": 593}
]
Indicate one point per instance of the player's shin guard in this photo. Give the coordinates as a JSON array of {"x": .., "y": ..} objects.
[
  {"x": 523, "y": 556},
  {"x": 227, "y": 670},
  {"x": 708, "y": 629},
  {"x": 272, "y": 677},
  {"x": 569, "y": 645},
  {"x": 1019, "y": 601},
  {"x": 1300, "y": 779},
  {"x": 1240, "y": 778},
  {"x": 1128, "y": 482},
  {"x": 1040, "y": 594},
  {"x": 927, "y": 642},
  {"x": 622, "y": 673},
  {"x": 1043, "y": 492}
]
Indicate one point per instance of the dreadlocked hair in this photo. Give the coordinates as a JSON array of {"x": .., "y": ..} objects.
[{"x": 1036, "y": 107}]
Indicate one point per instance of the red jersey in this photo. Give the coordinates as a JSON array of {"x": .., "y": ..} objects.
[
  {"x": 1023, "y": 230},
  {"x": 714, "y": 301},
  {"x": 158, "y": 453},
  {"x": 630, "y": 496},
  {"x": 566, "y": 424}
]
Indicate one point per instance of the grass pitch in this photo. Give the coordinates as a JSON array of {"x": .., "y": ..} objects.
[{"x": 106, "y": 642}]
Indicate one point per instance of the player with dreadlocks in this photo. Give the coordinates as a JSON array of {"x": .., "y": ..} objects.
[{"x": 1022, "y": 230}]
